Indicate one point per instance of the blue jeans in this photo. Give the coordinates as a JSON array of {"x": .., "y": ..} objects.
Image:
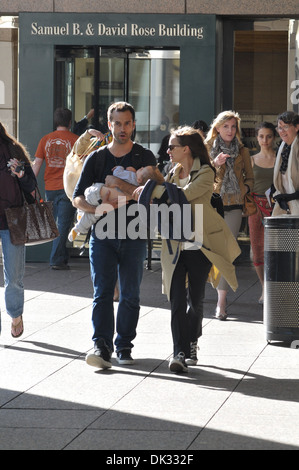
[
  {"x": 64, "y": 212},
  {"x": 13, "y": 270},
  {"x": 109, "y": 260}
]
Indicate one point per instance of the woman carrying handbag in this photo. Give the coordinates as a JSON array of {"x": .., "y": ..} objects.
[{"x": 16, "y": 175}]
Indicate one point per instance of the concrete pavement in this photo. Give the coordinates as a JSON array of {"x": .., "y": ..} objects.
[{"x": 243, "y": 394}]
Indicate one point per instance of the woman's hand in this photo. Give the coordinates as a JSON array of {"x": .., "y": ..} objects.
[
  {"x": 95, "y": 133},
  {"x": 136, "y": 193},
  {"x": 220, "y": 159},
  {"x": 157, "y": 175},
  {"x": 16, "y": 167}
]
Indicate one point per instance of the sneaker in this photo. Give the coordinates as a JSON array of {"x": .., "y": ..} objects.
[
  {"x": 124, "y": 357},
  {"x": 192, "y": 360},
  {"x": 178, "y": 363},
  {"x": 101, "y": 356},
  {"x": 60, "y": 267}
]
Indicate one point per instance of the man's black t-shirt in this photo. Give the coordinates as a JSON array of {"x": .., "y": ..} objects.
[{"x": 90, "y": 175}]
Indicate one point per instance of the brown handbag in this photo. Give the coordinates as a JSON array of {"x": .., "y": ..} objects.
[
  {"x": 31, "y": 224},
  {"x": 249, "y": 206}
]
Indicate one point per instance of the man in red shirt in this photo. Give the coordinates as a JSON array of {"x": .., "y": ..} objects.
[{"x": 53, "y": 148}]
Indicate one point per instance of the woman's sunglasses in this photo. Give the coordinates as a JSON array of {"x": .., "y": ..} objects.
[{"x": 171, "y": 147}]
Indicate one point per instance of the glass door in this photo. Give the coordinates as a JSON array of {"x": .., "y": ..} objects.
[
  {"x": 153, "y": 90},
  {"x": 94, "y": 77}
]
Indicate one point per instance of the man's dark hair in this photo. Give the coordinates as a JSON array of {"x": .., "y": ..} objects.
[
  {"x": 62, "y": 117},
  {"x": 120, "y": 106}
]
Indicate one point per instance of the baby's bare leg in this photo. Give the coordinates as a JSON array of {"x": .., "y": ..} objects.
[{"x": 112, "y": 194}]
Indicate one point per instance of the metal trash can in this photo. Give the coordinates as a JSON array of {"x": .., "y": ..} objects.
[{"x": 281, "y": 289}]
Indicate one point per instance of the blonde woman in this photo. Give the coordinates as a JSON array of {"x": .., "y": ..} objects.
[{"x": 234, "y": 178}]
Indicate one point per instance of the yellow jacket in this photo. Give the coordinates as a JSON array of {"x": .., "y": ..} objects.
[{"x": 219, "y": 244}]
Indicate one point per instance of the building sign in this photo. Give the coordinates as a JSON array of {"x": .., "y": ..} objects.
[
  {"x": 122, "y": 30},
  {"x": 105, "y": 29}
]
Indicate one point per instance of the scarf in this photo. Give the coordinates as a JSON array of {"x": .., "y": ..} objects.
[
  {"x": 230, "y": 185},
  {"x": 285, "y": 158},
  {"x": 291, "y": 176}
]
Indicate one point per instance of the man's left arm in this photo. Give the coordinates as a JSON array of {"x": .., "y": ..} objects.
[
  {"x": 115, "y": 182},
  {"x": 127, "y": 188},
  {"x": 37, "y": 164}
]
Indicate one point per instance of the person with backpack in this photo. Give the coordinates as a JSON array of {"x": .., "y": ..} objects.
[
  {"x": 88, "y": 142},
  {"x": 194, "y": 175},
  {"x": 113, "y": 255}
]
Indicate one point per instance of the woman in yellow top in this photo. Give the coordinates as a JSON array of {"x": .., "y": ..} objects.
[
  {"x": 194, "y": 173},
  {"x": 234, "y": 178}
]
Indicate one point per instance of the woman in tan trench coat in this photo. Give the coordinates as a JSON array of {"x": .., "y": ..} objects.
[{"x": 195, "y": 175}]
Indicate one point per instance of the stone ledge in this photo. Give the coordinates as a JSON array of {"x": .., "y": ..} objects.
[
  {"x": 93, "y": 6},
  {"x": 14, "y": 7},
  {"x": 272, "y": 8},
  {"x": 243, "y": 7}
]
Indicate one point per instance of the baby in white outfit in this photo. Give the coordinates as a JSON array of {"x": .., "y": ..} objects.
[{"x": 96, "y": 192}]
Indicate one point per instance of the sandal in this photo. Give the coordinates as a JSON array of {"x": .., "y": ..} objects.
[
  {"x": 219, "y": 315},
  {"x": 18, "y": 329}
]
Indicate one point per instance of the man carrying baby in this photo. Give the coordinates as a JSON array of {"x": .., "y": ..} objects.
[
  {"x": 98, "y": 191},
  {"x": 113, "y": 256}
]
